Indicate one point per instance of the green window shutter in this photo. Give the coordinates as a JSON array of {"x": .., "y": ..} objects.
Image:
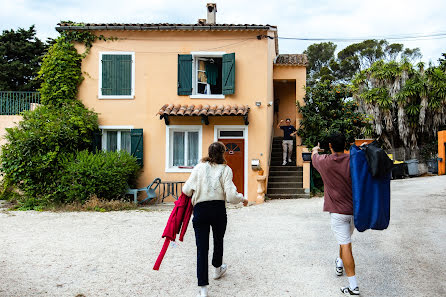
[
  {"x": 184, "y": 74},
  {"x": 228, "y": 74},
  {"x": 137, "y": 145},
  {"x": 117, "y": 75},
  {"x": 96, "y": 144}
]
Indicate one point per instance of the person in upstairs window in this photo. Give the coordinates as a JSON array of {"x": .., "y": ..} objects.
[
  {"x": 338, "y": 201},
  {"x": 287, "y": 143}
]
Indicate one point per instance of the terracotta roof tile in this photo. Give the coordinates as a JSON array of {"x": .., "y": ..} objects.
[
  {"x": 292, "y": 60},
  {"x": 158, "y": 26},
  {"x": 205, "y": 110}
]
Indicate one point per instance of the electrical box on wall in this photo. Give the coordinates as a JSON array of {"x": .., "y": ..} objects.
[{"x": 255, "y": 164}]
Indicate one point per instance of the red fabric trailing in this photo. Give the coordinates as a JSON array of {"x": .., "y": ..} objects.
[{"x": 178, "y": 221}]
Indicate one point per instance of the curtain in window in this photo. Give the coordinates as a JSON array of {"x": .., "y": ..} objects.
[
  {"x": 178, "y": 148},
  {"x": 112, "y": 141},
  {"x": 192, "y": 158},
  {"x": 126, "y": 141}
]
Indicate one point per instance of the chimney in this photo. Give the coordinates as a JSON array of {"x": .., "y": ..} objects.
[{"x": 212, "y": 10}]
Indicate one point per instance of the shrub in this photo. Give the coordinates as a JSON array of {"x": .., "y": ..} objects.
[
  {"x": 104, "y": 174},
  {"x": 60, "y": 73},
  {"x": 32, "y": 159}
]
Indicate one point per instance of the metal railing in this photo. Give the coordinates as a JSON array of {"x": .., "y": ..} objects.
[
  {"x": 169, "y": 188},
  {"x": 14, "y": 102}
]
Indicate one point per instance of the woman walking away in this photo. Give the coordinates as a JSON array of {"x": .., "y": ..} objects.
[{"x": 210, "y": 185}]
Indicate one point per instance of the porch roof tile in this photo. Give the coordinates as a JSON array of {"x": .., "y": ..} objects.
[
  {"x": 291, "y": 60},
  {"x": 203, "y": 110}
]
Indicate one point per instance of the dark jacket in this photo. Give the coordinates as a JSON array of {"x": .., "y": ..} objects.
[{"x": 377, "y": 159}]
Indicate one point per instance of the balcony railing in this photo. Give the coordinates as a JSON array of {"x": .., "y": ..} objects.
[{"x": 14, "y": 102}]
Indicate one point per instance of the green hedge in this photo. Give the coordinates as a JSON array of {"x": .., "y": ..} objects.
[
  {"x": 32, "y": 158},
  {"x": 105, "y": 174}
]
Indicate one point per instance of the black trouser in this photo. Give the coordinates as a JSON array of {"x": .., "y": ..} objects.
[{"x": 209, "y": 214}]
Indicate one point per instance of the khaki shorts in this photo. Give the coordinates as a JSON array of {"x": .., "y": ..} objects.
[{"x": 343, "y": 227}]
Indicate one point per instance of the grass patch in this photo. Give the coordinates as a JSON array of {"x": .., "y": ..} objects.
[{"x": 95, "y": 204}]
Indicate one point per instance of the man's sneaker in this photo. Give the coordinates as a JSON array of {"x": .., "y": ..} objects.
[
  {"x": 289, "y": 161},
  {"x": 284, "y": 163},
  {"x": 347, "y": 290},
  {"x": 219, "y": 271},
  {"x": 339, "y": 269}
]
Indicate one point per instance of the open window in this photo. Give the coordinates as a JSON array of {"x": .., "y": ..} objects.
[{"x": 206, "y": 75}]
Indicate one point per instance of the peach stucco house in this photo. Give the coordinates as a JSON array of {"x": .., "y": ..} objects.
[{"x": 182, "y": 86}]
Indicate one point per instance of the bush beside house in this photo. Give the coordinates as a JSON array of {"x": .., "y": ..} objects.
[{"x": 46, "y": 157}]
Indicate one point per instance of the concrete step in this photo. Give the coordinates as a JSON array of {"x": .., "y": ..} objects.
[
  {"x": 286, "y": 168},
  {"x": 285, "y": 173},
  {"x": 286, "y": 184},
  {"x": 287, "y": 196},
  {"x": 285, "y": 179},
  {"x": 279, "y": 163},
  {"x": 285, "y": 191}
]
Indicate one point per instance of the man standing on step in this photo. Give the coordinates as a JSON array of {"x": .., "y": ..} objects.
[
  {"x": 338, "y": 201},
  {"x": 287, "y": 143}
]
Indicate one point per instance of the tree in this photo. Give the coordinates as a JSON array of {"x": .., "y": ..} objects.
[
  {"x": 319, "y": 56},
  {"x": 20, "y": 57},
  {"x": 406, "y": 103},
  {"x": 442, "y": 61},
  {"x": 330, "y": 108},
  {"x": 362, "y": 55},
  {"x": 324, "y": 65}
]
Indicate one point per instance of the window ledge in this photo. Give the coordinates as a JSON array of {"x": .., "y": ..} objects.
[
  {"x": 177, "y": 169},
  {"x": 203, "y": 96},
  {"x": 116, "y": 97}
]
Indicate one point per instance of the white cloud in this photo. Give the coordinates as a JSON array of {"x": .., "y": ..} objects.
[{"x": 341, "y": 18}]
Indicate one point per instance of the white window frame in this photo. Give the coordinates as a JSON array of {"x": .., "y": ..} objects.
[
  {"x": 132, "y": 95},
  {"x": 244, "y": 128},
  {"x": 195, "y": 57},
  {"x": 118, "y": 129},
  {"x": 169, "y": 147}
]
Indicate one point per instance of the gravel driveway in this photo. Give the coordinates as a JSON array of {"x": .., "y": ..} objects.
[{"x": 280, "y": 248}]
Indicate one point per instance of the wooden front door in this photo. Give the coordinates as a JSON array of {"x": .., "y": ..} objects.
[{"x": 235, "y": 158}]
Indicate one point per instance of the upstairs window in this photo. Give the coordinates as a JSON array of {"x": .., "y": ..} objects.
[
  {"x": 117, "y": 75},
  {"x": 206, "y": 75}
]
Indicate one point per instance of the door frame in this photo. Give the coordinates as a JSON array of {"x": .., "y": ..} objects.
[{"x": 243, "y": 128}]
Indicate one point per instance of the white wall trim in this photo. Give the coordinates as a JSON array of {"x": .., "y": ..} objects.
[
  {"x": 245, "y": 137},
  {"x": 204, "y": 96},
  {"x": 195, "y": 57},
  {"x": 169, "y": 128},
  {"x": 132, "y": 95}
]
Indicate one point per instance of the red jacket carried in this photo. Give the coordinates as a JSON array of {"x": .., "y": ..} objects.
[{"x": 178, "y": 221}]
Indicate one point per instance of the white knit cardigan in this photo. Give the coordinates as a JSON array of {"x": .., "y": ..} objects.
[{"x": 211, "y": 182}]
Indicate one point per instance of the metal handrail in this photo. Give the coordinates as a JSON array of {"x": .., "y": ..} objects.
[{"x": 15, "y": 102}]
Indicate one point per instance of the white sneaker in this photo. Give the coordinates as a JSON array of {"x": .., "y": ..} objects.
[
  {"x": 284, "y": 163},
  {"x": 289, "y": 161},
  {"x": 339, "y": 267},
  {"x": 219, "y": 271},
  {"x": 203, "y": 291}
]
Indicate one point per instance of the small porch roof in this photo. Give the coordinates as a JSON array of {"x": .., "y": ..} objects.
[
  {"x": 291, "y": 60},
  {"x": 203, "y": 111}
]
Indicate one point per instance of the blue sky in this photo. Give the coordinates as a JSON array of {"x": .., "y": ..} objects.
[{"x": 294, "y": 18}]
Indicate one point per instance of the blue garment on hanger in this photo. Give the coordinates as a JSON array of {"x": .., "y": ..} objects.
[{"x": 371, "y": 195}]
